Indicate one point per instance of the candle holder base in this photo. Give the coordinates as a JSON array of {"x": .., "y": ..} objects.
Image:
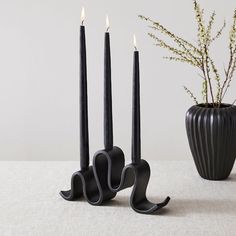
[
  {"x": 139, "y": 175},
  {"x": 84, "y": 184},
  {"x": 108, "y": 175}
]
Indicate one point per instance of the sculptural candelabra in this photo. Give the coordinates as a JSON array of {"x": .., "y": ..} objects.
[{"x": 108, "y": 174}]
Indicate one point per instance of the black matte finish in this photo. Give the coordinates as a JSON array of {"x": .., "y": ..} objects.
[
  {"x": 212, "y": 139},
  {"x": 108, "y": 126},
  {"x": 84, "y": 133},
  {"x": 136, "y": 139},
  {"x": 107, "y": 176}
]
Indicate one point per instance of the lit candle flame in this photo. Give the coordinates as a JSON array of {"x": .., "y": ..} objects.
[
  {"x": 82, "y": 15},
  {"x": 107, "y": 23},
  {"x": 135, "y": 43}
]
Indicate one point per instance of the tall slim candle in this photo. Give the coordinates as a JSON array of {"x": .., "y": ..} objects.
[
  {"x": 136, "y": 139},
  {"x": 108, "y": 126},
  {"x": 84, "y": 134}
]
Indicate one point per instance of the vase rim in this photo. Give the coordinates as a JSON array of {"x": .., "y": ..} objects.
[{"x": 210, "y": 106}]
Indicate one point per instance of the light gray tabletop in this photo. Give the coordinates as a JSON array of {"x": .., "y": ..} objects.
[{"x": 30, "y": 203}]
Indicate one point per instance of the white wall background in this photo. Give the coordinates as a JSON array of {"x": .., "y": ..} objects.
[{"x": 39, "y": 76}]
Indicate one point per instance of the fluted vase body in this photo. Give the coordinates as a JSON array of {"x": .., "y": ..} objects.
[{"x": 212, "y": 139}]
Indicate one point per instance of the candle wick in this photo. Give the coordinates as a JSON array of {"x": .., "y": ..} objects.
[
  {"x": 135, "y": 48},
  {"x": 108, "y": 28},
  {"x": 82, "y": 22}
]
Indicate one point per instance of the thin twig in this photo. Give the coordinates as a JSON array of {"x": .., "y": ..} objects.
[
  {"x": 191, "y": 94},
  {"x": 208, "y": 75}
]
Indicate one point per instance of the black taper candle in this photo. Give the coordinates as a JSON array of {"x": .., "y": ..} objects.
[
  {"x": 84, "y": 133},
  {"x": 136, "y": 139},
  {"x": 108, "y": 124}
]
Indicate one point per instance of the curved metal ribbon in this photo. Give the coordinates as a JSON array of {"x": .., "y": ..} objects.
[{"x": 107, "y": 176}]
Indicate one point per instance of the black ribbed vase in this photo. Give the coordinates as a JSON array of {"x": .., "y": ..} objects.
[{"x": 212, "y": 139}]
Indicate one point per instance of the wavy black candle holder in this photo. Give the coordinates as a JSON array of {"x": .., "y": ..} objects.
[{"x": 108, "y": 175}]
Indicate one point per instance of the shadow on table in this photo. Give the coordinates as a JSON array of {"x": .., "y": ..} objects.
[
  {"x": 119, "y": 201},
  {"x": 232, "y": 178},
  {"x": 184, "y": 207},
  {"x": 124, "y": 201}
]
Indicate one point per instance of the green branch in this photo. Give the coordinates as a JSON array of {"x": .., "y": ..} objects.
[{"x": 199, "y": 56}]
